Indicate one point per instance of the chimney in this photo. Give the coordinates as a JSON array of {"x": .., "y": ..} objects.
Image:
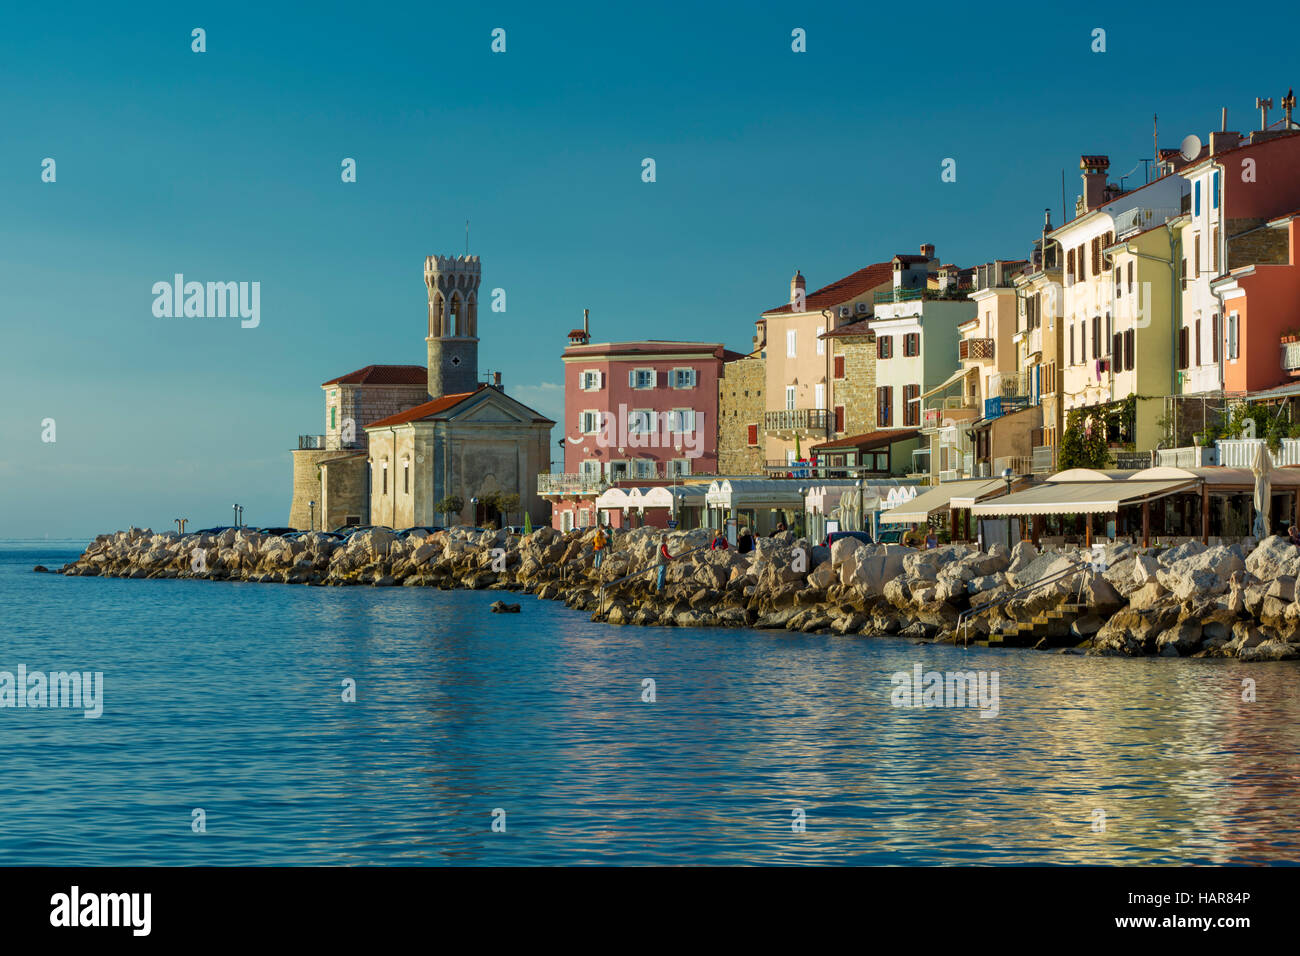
[
  {"x": 496, "y": 379},
  {"x": 586, "y": 323},
  {"x": 798, "y": 287},
  {"x": 927, "y": 250},
  {"x": 1223, "y": 139},
  {"x": 1094, "y": 180}
]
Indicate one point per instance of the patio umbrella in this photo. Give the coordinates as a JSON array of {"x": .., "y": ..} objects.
[
  {"x": 528, "y": 523},
  {"x": 1260, "y": 468}
]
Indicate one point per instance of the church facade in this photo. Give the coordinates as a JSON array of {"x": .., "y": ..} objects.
[{"x": 401, "y": 439}]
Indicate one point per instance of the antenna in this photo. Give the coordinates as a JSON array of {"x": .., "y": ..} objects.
[{"x": 467, "y": 238}]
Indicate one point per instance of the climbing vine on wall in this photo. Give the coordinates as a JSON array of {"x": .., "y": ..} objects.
[{"x": 1089, "y": 432}]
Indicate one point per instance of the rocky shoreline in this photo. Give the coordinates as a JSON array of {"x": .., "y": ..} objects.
[{"x": 1235, "y": 601}]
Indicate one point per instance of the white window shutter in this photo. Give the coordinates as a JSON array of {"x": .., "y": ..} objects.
[
  {"x": 600, "y": 379},
  {"x": 631, "y": 379}
]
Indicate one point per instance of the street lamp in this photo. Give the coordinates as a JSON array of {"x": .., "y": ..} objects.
[
  {"x": 803, "y": 509},
  {"x": 311, "y": 505},
  {"x": 239, "y": 515},
  {"x": 180, "y": 524},
  {"x": 474, "y": 504},
  {"x": 862, "y": 518},
  {"x": 1007, "y": 475}
]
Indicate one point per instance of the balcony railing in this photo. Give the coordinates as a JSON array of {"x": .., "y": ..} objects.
[
  {"x": 974, "y": 349},
  {"x": 1036, "y": 340},
  {"x": 1019, "y": 465},
  {"x": 571, "y": 484},
  {"x": 1291, "y": 356},
  {"x": 1009, "y": 384},
  {"x": 802, "y": 420},
  {"x": 1043, "y": 460},
  {"x": 918, "y": 295},
  {"x": 803, "y": 469},
  {"x": 307, "y": 442},
  {"x": 1000, "y": 405}
]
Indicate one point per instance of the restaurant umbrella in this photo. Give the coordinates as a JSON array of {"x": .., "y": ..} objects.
[
  {"x": 528, "y": 523},
  {"x": 1261, "y": 467}
]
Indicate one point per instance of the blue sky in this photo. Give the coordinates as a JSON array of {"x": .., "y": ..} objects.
[{"x": 225, "y": 166}]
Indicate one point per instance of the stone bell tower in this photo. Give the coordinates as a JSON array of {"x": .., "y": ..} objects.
[{"x": 453, "y": 323}]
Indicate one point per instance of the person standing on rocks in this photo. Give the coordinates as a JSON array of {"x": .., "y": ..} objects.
[
  {"x": 598, "y": 545},
  {"x": 664, "y": 558}
]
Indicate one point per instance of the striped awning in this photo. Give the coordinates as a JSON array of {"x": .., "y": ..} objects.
[
  {"x": 939, "y": 498},
  {"x": 1083, "y": 497}
]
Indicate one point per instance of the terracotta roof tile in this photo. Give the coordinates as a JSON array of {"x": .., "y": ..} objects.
[
  {"x": 384, "y": 375},
  {"x": 842, "y": 290},
  {"x": 427, "y": 410}
]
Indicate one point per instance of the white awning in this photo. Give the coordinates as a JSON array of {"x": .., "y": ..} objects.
[
  {"x": 939, "y": 498},
  {"x": 1083, "y": 497},
  {"x": 669, "y": 496}
]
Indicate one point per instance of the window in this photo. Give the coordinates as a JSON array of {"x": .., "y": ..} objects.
[
  {"x": 641, "y": 378},
  {"x": 1130, "y": 278},
  {"x": 1108, "y": 332},
  {"x": 1196, "y": 198},
  {"x": 1117, "y": 352},
  {"x": 590, "y": 422},
  {"x": 912, "y": 343},
  {"x": 819, "y": 395},
  {"x": 885, "y": 347},
  {"x": 1198, "y": 341},
  {"x": 821, "y": 343},
  {"x": 752, "y": 437},
  {"x": 1182, "y": 274},
  {"x": 1196, "y": 253},
  {"x": 1182, "y": 347},
  {"x": 679, "y": 468},
  {"x": 1214, "y": 191},
  {"x": 640, "y": 421},
  {"x": 681, "y": 420},
  {"x": 1096, "y": 336},
  {"x": 592, "y": 380},
  {"x": 789, "y": 343},
  {"x": 406, "y": 477},
  {"x": 682, "y": 378},
  {"x": 618, "y": 470},
  {"x": 1083, "y": 267},
  {"x": 1214, "y": 248},
  {"x": 789, "y": 398},
  {"x": 384, "y": 490},
  {"x": 644, "y": 468},
  {"x": 1214, "y": 336},
  {"x": 884, "y": 406},
  {"x": 1232, "y": 335},
  {"x": 1128, "y": 351},
  {"x": 1070, "y": 336},
  {"x": 590, "y": 468},
  {"x": 839, "y": 418},
  {"x": 1069, "y": 267},
  {"x": 911, "y": 405},
  {"x": 839, "y": 366}
]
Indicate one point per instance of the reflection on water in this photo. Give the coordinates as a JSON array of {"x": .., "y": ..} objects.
[{"x": 227, "y": 697}]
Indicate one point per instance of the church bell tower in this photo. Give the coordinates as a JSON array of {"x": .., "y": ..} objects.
[{"x": 453, "y": 323}]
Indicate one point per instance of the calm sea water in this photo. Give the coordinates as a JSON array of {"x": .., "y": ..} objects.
[{"x": 227, "y": 697}]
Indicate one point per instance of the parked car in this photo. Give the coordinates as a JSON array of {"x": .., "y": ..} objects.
[
  {"x": 862, "y": 536},
  {"x": 348, "y": 530},
  {"x": 429, "y": 529},
  {"x": 281, "y": 532},
  {"x": 217, "y": 530},
  {"x": 892, "y": 536}
]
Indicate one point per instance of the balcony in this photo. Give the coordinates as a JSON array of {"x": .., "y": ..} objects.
[
  {"x": 1009, "y": 384},
  {"x": 804, "y": 422},
  {"x": 1291, "y": 356},
  {"x": 325, "y": 442},
  {"x": 311, "y": 442},
  {"x": 1000, "y": 405},
  {"x": 920, "y": 295},
  {"x": 1043, "y": 460},
  {"x": 974, "y": 350},
  {"x": 806, "y": 469},
  {"x": 1036, "y": 340},
  {"x": 571, "y": 484}
]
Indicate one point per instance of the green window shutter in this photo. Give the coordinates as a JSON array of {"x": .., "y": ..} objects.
[{"x": 332, "y": 417}]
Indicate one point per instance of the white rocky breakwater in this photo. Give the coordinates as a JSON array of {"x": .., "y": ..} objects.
[{"x": 1237, "y": 601}]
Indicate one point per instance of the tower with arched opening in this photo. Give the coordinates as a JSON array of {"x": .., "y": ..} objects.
[{"x": 453, "y": 283}]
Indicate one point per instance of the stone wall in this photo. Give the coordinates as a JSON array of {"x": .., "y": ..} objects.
[
  {"x": 1249, "y": 244},
  {"x": 365, "y": 404},
  {"x": 857, "y": 390},
  {"x": 741, "y": 404},
  {"x": 306, "y": 486},
  {"x": 345, "y": 491}
]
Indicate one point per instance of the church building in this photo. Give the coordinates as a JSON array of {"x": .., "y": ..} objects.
[{"x": 401, "y": 439}]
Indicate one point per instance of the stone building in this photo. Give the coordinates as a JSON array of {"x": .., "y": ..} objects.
[
  {"x": 401, "y": 438},
  {"x": 740, "y": 410}
]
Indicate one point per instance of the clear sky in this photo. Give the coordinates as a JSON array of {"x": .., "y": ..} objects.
[{"x": 225, "y": 166}]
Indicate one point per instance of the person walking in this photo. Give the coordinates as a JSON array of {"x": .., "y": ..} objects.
[
  {"x": 664, "y": 558},
  {"x": 598, "y": 545}
]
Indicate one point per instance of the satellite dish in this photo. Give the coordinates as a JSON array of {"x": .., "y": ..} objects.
[{"x": 1191, "y": 147}]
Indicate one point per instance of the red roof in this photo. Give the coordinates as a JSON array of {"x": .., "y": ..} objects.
[
  {"x": 427, "y": 410},
  {"x": 860, "y": 327},
  {"x": 850, "y": 287},
  {"x": 885, "y": 436},
  {"x": 384, "y": 375}
]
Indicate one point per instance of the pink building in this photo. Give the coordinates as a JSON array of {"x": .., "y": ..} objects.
[{"x": 635, "y": 413}]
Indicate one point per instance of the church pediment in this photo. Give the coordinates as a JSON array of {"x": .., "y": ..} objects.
[{"x": 491, "y": 405}]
